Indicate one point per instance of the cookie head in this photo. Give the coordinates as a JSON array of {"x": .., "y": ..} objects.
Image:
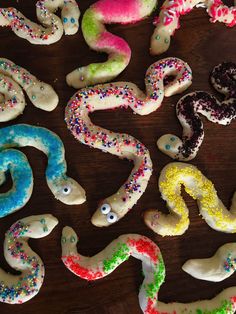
[{"x": 43, "y": 96}]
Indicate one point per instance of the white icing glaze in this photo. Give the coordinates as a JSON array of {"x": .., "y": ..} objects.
[
  {"x": 125, "y": 94},
  {"x": 12, "y": 102},
  {"x": 53, "y": 26},
  {"x": 17, "y": 289},
  {"x": 216, "y": 268}
]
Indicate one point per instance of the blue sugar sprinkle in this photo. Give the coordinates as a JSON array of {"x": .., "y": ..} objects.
[
  {"x": 47, "y": 141},
  {"x": 168, "y": 147},
  {"x": 18, "y": 165}
]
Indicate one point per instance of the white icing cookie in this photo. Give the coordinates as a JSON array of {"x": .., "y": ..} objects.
[
  {"x": 53, "y": 26},
  {"x": 124, "y": 95},
  {"x": 12, "y": 100},
  {"x": 216, "y": 268},
  {"x": 17, "y": 289},
  {"x": 168, "y": 20}
]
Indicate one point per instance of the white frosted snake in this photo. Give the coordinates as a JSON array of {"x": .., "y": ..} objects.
[
  {"x": 124, "y": 95},
  {"x": 12, "y": 101},
  {"x": 52, "y": 27},
  {"x": 216, "y": 268},
  {"x": 17, "y": 289}
]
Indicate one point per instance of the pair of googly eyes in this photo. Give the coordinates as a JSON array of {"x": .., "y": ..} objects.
[
  {"x": 106, "y": 210},
  {"x": 66, "y": 190},
  {"x": 65, "y": 20}
]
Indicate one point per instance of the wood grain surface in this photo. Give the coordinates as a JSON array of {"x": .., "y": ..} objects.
[{"x": 203, "y": 45}]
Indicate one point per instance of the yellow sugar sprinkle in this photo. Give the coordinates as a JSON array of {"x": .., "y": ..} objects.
[{"x": 200, "y": 189}]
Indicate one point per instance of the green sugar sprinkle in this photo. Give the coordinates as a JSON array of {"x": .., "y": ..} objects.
[
  {"x": 226, "y": 307},
  {"x": 159, "y": 277},
  {"x": 90, "y": 25},
  {"x": 120, "y": 255},
  {"x": 110, "y": 66}
]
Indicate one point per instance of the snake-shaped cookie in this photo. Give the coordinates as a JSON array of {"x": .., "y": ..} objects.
[
  {"x": 52, "y": 27},
  {"x": 64, "y": 188},
  {"x": 199, "y": 188},
  {"x": 153, "y": 267},
  {"x": 171, "y": 11},
  {"x": 98, "y": 38},
  {"x": 216, "y": 268},
  {"x": 124, "y": 94},
  {"x": 12, "y": 100},
  {"x": 189, "y": 108},
  {"x": 17, "y": 289}
]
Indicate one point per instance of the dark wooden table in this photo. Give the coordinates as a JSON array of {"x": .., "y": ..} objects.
[{"x": 203, "y": 45}]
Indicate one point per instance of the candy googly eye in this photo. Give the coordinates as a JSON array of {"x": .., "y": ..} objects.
[
  {"x": 111, "y": 217},
  {"x": 66, "y": 190},
  {"x": 105, "y": 209}
]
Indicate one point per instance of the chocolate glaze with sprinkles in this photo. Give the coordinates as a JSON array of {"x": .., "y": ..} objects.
[
  {"x": 191, "y": 105},
  {"x": 223, "y": 78},
  {"x": 201, "y": 102}
]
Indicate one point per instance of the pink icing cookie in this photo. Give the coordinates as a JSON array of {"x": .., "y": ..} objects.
[
  {"x": 171, "y": 11},
  {"x": 99, "y": 39}
]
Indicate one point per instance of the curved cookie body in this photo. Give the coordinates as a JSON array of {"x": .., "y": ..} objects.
[
  {"x": 153, "y": 267},
  {"x": 53, "y": 26},
  {"x": 189, "y": 108},
  {"x": 216, "y": 268},
  {"x": 124, "y": 94},
  {"x": 171, "y": 11},
  {"x": 98, "y": 38},
  {"x": 17, "y": 289},
  {"x": 199, "y": 188},
  {"x": 63, "y": 187},
  {"x": 12, "y": 78}
]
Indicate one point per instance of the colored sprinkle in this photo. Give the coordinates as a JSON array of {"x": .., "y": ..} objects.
[{"x": 120, "y": 255}]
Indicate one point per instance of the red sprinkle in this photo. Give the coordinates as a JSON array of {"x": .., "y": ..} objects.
[
  {"x": 145, "y": 246},
  {"x": 72, "y": 263}
]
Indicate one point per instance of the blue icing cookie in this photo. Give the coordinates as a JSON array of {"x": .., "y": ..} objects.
[{"x": 64, "y": 188}]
